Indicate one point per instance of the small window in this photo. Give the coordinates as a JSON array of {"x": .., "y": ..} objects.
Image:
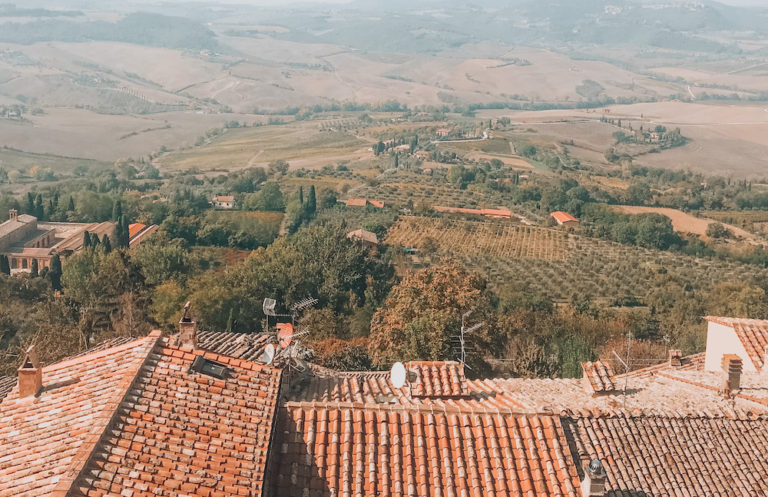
[
  {"x": 23, "y": 264},
  {"x": 209, "y": 368}
]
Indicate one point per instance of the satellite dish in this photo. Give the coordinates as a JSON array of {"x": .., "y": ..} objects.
[
  {"x": 269, "y": 306},
  {"x": 268, "y": 355},
  {"x": 284, "y": 334},
  {"x": 397, "y": 375}
]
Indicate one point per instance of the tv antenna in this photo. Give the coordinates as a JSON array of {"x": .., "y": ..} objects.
[
  {"x": 397, "y": 375},
  {"x": 466, "y": 331}
]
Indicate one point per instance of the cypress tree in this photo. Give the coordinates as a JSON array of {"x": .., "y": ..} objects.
[
  {"x": 312, "y": 201},
  {"x": 117, "y": 211},
  {"x": 71, "y": 205},
  {"x": 33, "y": 271},
  {"x": 5, "y": 266},
  {"x": 55, "y": 272},
  {"x": 51, "y": 208},
  {"x": 39, "y": 210},
  {"x": 106, "y": 244},
  {"x": 86, "y": 240},
  {"x": 30, "y": 207},
  {"x": 301, "y": 196}
]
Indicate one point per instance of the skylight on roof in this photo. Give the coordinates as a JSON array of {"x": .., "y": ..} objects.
[{"x": 209, "y": 368}]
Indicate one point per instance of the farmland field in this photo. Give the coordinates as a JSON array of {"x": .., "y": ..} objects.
[
  {"x": 494, "y": 239},
  {"x": 548, "y": 262}
]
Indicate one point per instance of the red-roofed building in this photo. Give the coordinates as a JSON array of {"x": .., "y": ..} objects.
[
  {"x": 362, "y": 202},
  {"x": 747, "y": 338},
  {"x": 198, "y": 414},
  {"x": 564, "y": 219},
  {"x": 138, "y": 232},
  {"x": 223, "y": 202}
]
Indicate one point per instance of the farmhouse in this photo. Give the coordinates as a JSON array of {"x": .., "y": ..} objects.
[
  {"x": 201, "y": 414},
  {"x": 24, "y": 239},
  {"x": 366, "y": 238},
  {"x": 138, "y": 232},
  {"x": 223, "y": 202},
  {"x": 564, "y": 219},
  {"x": 362, "y": 202}
]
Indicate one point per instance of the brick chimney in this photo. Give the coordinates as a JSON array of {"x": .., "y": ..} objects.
[
  {"x": 13, "y": 214},
  {"x": 30, "y": 374},
  {"x": 593, "y": 484},
  {"x": 187, "y": 329},
  {"x": 675, "y": 358},
  {"x": 732, "y": 365}
]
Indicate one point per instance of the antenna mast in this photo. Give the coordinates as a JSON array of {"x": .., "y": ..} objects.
[{"x": 464, "y": 331}]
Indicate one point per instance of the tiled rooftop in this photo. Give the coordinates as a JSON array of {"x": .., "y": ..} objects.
[
  {"x": 185, "y": 433},
  {"x": 437, "y": 379},
  {"x": 239, "y": 345},
  {"x": 6, "y": 385},
  {"x": 753, "y": 334},
  {"x": 47, "y": 437},
  {"x": 674, "y": 456},
  {"x": 599, "y": 376},
  {"x": 349, "y": 450}
]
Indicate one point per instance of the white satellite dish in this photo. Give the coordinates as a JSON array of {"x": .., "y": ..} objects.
[
  {"x": 268, "y": 355},
  {"x": 397, "y": 375}
]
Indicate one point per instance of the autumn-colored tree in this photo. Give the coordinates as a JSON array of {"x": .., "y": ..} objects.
[{"x": 421, "y": 318}]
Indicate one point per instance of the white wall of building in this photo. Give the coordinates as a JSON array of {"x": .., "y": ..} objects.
[{"x": 721, "y": 340}]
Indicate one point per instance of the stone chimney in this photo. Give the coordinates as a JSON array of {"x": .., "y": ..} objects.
[
  {"x": 593, "y": 484},
  {"x": 30, "y": 374},
  {"x": 732, "y": 365},
  {"x": 675, "y": 358},
  {"x": 187, "y": 329},
  {"x": 13, "y": 214}
]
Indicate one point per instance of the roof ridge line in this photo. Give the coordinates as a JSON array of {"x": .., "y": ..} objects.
[
  {"x": 103, "y": 420},
  {"x": 223, "y": 358},
  {"x": 420, "y": 408},
  {"x": 85, "y": 356}
]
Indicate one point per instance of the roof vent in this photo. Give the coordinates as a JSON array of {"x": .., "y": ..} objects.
[
  {"x": 210, "y": 368},
  {"x": 732, "y": 365},
  {"x": 593, "y": 484},
  {"x": 30, "y": 374},
  {"x": 675, "y": 358}
]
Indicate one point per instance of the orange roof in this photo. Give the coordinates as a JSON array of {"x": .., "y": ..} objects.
[
  {"x": 224, "y": 198},
  {"x": 377, "y": 203},
  {"x": 181, "y": 432},
  {"x": 329, "y": 450},
  {"x": 506, "y": 213},
  {"x": 437, "y": 379},
  {"x": 135, "y": 229},
  {"x": 356, "y": 202},
  {"x": 753, "y": 334},
  {"x": 563, "y": 217},
  {"x": 598, "y": 376},
  {"x": 46, "y": 439}
]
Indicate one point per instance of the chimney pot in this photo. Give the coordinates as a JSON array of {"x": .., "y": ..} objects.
[
  {"x": 675, "y": 358},
  {"x": 732, "y": 365},
  {"x": 30, "y": 374},
  {"x": 593, "y": 484},
  {"x": 13, "y": 214},
  {"x": 187, "y": 329}
]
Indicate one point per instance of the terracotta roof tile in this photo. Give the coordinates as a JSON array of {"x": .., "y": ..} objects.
[
  {"x": 240, "y": 345},
  {"x": 46, "y": 438},
  {"x": 671, "y": 456},
  {"x": 349, "y": 450},
  {"x": 598, "y": 376},
  {"x": 563, "y": 217},
  {"x": 6, "y": 385},
  {"x": 753, "y": 334},
  {"x": 356, "y": 202},
  {"x": 180, "y": 432},
  {"x": 437, "y": 379}
]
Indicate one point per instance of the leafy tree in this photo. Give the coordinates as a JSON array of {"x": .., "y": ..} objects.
[
  {"x": 34, "y": 269},
  {"x": 278, "y": 166},
  {"x": 717, "y": 230},
  {"x": 270, "y": 198},
  {"x": 5, "y": 267},
  {"x": 422, "y": 315},
  {"x": 161, "y": 260}
]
